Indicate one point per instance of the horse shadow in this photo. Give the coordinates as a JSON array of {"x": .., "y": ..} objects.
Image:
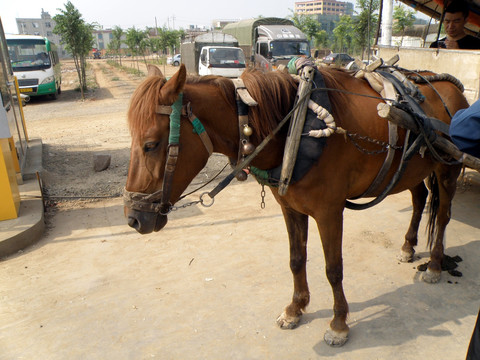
[{"x": 418, "y": 309}]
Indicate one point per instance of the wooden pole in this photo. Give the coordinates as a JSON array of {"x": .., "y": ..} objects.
[
  {"x": 405, "y": 120},
  {"x": 295, "y": 131}
]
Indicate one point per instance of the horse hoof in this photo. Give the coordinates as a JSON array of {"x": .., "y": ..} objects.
[
  {"x": 285, "y": 321},
  {"x": 405, "y": 257},
  {"x": 431, "y": 277},
  {"x": 335, "y": 338}
]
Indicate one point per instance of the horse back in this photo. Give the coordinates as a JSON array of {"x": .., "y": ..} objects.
[{"x": 349, "y": 164}]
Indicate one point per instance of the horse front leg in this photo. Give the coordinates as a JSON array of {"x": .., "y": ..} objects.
[
  {"x": 440, "y": 213},
  {"x": 419, "y": 198},
  {"x": 330, "y": 226},
  {"x": 297, "y": 227}
]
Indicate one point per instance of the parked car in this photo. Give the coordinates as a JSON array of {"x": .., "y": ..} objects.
[
  {"x": 174, "y": 60},
  {"x": 338, "y": 59}
]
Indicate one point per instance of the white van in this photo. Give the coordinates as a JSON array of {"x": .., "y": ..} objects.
[{"x": 225, "y": 61}]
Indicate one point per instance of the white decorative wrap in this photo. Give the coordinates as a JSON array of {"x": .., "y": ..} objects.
[{"x": 324, "y": 115}]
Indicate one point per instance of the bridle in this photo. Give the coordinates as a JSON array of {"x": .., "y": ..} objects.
[{"x": 159, "y": 201}]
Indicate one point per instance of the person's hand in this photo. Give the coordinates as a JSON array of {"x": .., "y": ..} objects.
[{"x": 451, "y": 44}]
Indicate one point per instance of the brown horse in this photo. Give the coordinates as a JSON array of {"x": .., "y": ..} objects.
[{"x": 342, "y": 172}]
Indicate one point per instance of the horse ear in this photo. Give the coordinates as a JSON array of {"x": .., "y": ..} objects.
[
  {"x": 154, "y": 70},
  {"x": 174, "y": 85}
]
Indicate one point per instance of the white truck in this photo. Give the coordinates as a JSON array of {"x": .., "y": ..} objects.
[{"x": 213, "y": 53}]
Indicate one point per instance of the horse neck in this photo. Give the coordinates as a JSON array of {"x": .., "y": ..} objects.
[
  {"x": 216, "y": 114},
  {"x": 219, "y": 117}
]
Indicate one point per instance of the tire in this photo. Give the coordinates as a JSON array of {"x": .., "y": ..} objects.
[
  {"x": 54, "y": 96},
  {"x": 176, "y": 63}
]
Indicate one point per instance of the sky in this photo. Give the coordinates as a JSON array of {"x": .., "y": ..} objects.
[
  {"x": 142, "y": 13},
  {"x": 174, "y": 14}
]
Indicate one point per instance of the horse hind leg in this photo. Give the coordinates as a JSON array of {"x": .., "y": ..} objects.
[
  {"x": 297, "y": 227},
  {"x": 419, "y": 198},
  {"x": 440, "y": 212}
]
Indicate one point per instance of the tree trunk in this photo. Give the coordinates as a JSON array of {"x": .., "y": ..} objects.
[
  {"x": 84, "y": 72},
  {"x": 76, "y": 60}
]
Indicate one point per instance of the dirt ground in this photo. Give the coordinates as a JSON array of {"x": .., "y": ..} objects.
[{"x": 211, "y": 284}]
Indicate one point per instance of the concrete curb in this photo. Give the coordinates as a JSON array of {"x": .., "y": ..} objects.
[{"x": 28, "y": 227}]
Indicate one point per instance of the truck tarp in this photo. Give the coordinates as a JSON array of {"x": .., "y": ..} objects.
[{"x": 244, "y": 29}]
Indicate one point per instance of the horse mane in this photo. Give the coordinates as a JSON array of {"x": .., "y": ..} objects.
[
  {"x": 147, "y": 96},
  {"x": 335, "y": 79},
  {"x": 143, "y": 104},
  {"x": 275, "y": 93}
]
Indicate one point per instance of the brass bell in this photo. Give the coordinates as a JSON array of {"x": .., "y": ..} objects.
[
  {"x": 241, "y": 175},
  {"x": 247, "y": 130},
  {"x": 247, "y": 148}
]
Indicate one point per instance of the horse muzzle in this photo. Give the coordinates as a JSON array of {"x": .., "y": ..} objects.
[
  {"x": 143, "y": 211},
  {"x": 145, "y": 222}
]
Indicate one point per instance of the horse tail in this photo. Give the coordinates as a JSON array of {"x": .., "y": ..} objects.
[{"x": 433, "y": 205}]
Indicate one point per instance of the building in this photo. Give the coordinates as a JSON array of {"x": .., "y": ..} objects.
[
  {"x": 102, "y": 38},
  {"x": 43, "y": 27},
  {"x": 219, "y": 24},
  {"x": 323, "y": 7}
]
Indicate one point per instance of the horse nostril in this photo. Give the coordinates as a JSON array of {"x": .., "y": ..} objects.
[{"x": 132, "y": 222}]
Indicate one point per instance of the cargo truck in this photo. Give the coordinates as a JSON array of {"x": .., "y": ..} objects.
[
  {"x": 213, "y": 53},
  {"x": 268, "y": 42}
]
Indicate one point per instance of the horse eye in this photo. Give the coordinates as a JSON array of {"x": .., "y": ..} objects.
[{"x": 150, "y": 146}]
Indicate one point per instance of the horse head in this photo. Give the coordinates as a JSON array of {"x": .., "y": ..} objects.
[{"x": 158, "y": 171}]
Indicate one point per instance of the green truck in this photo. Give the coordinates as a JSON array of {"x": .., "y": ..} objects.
[{"x": 268, "y": 42}]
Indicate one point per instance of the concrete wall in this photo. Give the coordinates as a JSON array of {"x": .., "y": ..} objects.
[{"x": 463, "y": 64}]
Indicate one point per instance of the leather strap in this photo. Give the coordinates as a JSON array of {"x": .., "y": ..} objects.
[
  {"x": 199, "y": 129},
  {"x": 390, "y": 93},
  {"x": 243, "y": 92},
  {"x": 172, "y": 158},
  {"x": 244, "y": 100}
]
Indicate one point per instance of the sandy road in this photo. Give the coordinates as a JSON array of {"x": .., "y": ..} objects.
[{"x": 210, "y": 285}]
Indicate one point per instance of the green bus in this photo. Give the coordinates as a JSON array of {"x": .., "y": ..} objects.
[{"x": 36, "y": 65}]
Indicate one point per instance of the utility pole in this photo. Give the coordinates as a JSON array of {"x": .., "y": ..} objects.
[{"x": 387, "y": 22}]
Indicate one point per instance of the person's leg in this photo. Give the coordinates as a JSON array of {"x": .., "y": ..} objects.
[{"x": 473, "y": 352}]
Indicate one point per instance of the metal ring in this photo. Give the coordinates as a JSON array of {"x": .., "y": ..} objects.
[
  {"x": 168, "y": 207},
  {"x": 201, "y": 200}
]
